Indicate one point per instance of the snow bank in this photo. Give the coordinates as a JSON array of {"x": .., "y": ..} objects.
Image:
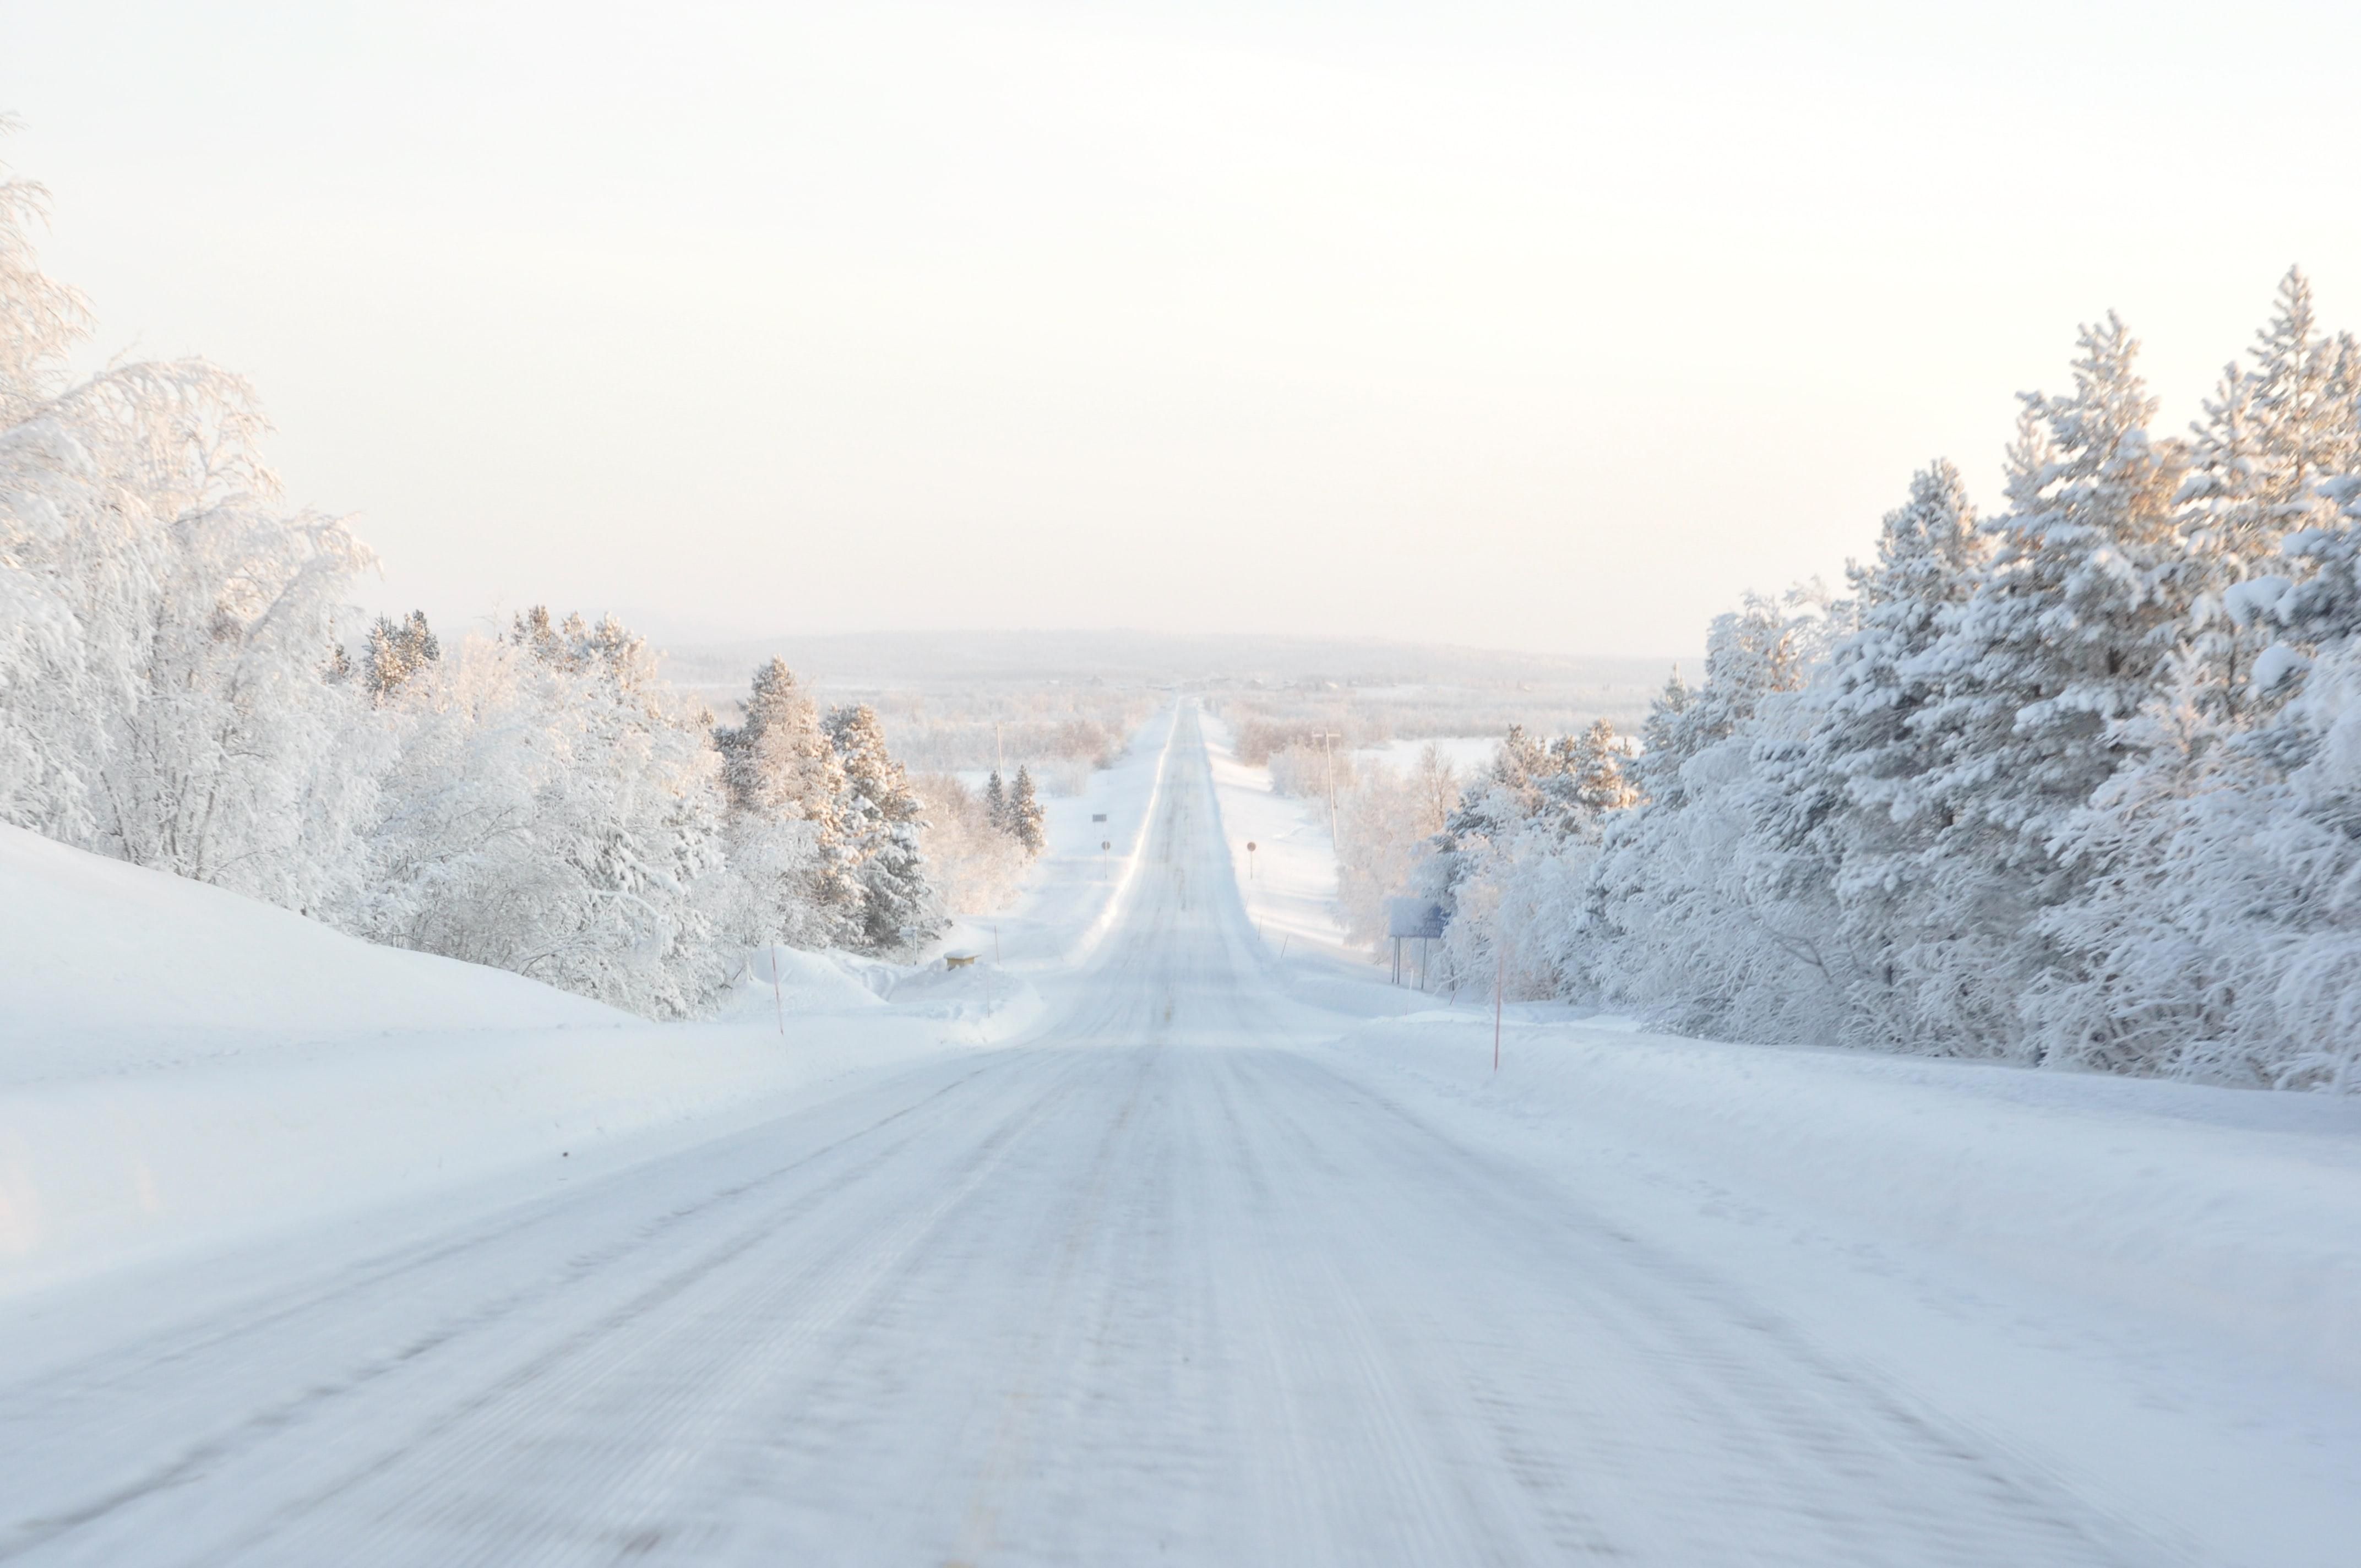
[
  {"x": 1289, "y": 881},
  {"x": 2234, "y": 1212},
  {"x": 113, "y": 967},
  {"x": 182, "y": 1067}
]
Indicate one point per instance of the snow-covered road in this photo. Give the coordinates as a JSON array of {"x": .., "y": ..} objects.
[{"x": 1156, "y": 1285}]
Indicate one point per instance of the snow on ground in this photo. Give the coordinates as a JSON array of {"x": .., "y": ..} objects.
[
  {"x": 119, "y": 969},
  {"x": 1466, "y": 753},
  {"x": 1204, "y": 1271},
  {"x": 2190, "y": 1250},
  {"x": 2236, "y": 1209},
  {"x": 1072, "y": 894},
  {"x": 181, "y": 1067},
  {"x": 1288, "y": 880},
  {"x": 2036, "y": 1251}
]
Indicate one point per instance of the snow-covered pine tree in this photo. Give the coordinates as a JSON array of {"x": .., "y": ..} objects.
[
  {"x": 778, "y": 759},
  {"x": 1025, "y": 813},
  {"x": 1513, "y": 856},
  {"x": 2069, "y": 632},
  {"x": 1502, "y": 798},
  {"x": 1656, "y": 770},
  {"x": 996, "y": 803},
  {"x": 2271, "y": 433},
  {"x": 2204, "y": 859},
  {"x": 786, "y": 786},
  {"x": 1595, "y": 768},
  {"x": 881, "y": 818},
  {"x": 1750, "y": 652},
  {"x": 1843, "y": 806},
  {"x": 1688, "y": 911},
  {"x": 397, "y": 651}
]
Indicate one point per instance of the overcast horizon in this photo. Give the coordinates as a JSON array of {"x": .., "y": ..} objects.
[{"x": 1504, "y": 326}]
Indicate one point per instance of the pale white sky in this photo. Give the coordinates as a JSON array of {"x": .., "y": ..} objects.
[{"x": 1531, "y": 325}]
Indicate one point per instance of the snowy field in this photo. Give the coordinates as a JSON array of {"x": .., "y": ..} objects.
[
  {"x": 1202, "y": 1245},
  {"x": 1465, "y": 753}
]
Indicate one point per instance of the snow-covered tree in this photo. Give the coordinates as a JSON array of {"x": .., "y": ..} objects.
[
  {"x": 1586, "y": 780},
  {"x": 880, "y": 819},
  {"x": 397, "y": 651},
  {"x": 1025, "y": 814},
  {"x": 2070, "y": 630},
  {"x": 164, "y": 623},
  {"x": 1688, "y": 905},
  {"x": 973, "y": 862},
  {"x": 996, "y": 803},
  {"x": 553, "y": 810},
  {"x": 1840, "y": 812},
  {"x": 788, "y": 840},
  {"x": 2072, "y": 622},
  {"x": 1385, "y": 822},
  {"x": 2271, "y": 434}
]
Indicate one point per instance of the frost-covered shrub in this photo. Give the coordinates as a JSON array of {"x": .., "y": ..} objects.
[
  {"x": 1383, "y": 822},
  {"x": 1306, "y": 771},
  {"x": 974, "y": 861}
]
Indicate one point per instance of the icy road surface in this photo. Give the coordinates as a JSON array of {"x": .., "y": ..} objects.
[{"x": 1160, "y": 1285}]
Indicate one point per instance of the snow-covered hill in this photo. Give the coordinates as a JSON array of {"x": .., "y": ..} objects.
[{"x": 114, "y": 967}]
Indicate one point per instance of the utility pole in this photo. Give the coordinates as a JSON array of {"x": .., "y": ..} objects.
[{"x": 1328, "y": 773}]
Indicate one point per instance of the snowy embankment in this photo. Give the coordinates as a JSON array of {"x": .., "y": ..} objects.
[
  {"x": 180, "y": 1066},
  {"x": 2232, "y": 1217},
  {"x": 1288, "y": 880}
]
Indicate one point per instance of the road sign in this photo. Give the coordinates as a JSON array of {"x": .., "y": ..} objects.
[
  {"x": 1098, "y": 816},
  {"x": 1414, "y": 918}
]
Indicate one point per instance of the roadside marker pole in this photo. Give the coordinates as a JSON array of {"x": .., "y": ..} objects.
[
  {"x": 777, "y": 1000},
  {"x": 1500, "y": 983}
]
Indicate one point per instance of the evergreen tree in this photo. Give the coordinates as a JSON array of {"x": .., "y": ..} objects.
[
  {"x": 397, "y": 651},
  {"x": 778, "y": 759},
  {"x": 1582, "y": 781},
  {"x": 1750, "y": 654},
  {"x": 786, "y": 786},
  {"x": 2069, "y": 631},
  {"x": 1025, "y": 814},
  {"x": 1657, "y": 768},
  {"x": 880, "y": 818},
  {"x": 1839, "y": 812},
  {"x": 995, "y": 805},
  {"x": 1503, "y": 798},
  {"x": 2069, "y": 627},
  {"x": 2271, "y": 434},
  {"x": 1595, "y": 765}
]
